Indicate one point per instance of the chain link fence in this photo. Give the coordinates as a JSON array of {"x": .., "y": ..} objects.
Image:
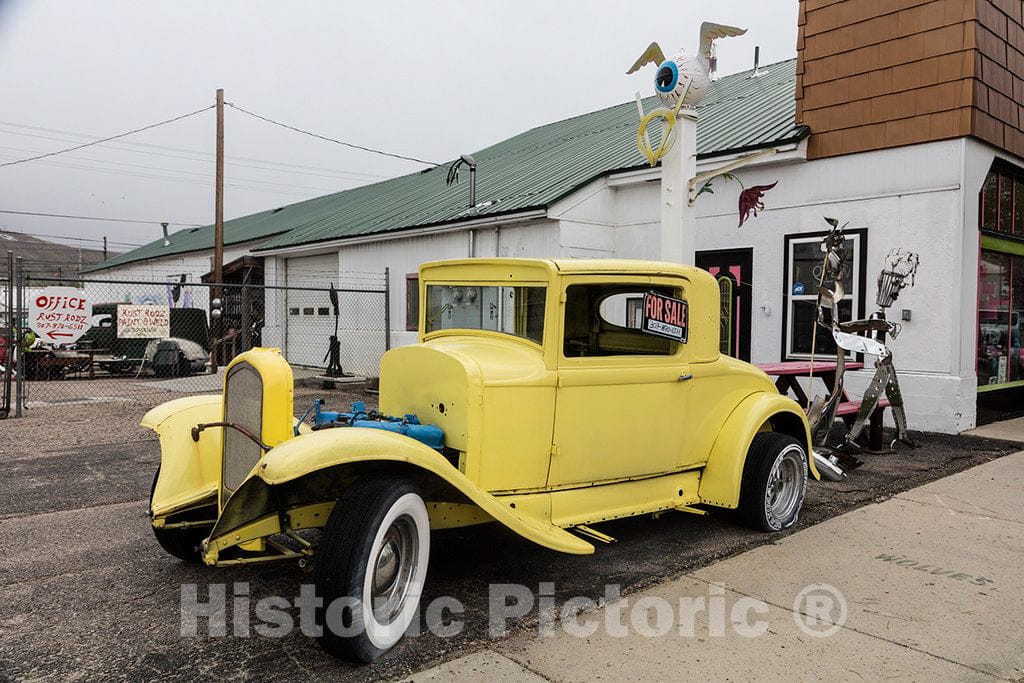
[{"x": 152, "y": 340}]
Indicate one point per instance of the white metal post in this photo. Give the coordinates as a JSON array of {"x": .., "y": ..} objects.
[
  {"x": 20, "y": 316},
  {"x": 678, "y": 218}
]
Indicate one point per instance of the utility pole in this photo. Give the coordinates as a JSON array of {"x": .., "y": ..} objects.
[
  {"x": 104, "y": 247},
  {"x": 218, "y": 233}
]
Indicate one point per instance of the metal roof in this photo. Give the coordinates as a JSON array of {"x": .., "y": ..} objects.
[{"x": 529, "y": 171}]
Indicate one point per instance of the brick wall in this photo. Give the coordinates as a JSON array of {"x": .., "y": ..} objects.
[{"x": 886, "y": 73}]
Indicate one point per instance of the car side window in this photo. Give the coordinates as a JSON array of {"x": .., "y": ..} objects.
[{"x": 604, "y": 320}]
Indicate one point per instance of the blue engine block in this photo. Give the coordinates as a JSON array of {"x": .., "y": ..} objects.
[{"x": 409, "y": 425}]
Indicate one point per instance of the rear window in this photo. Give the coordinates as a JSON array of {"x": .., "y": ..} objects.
[{"x": 604, "y": 320}]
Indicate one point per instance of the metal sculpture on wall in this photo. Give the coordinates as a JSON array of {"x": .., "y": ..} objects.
[
  {"x": 859, "y": 336},
  {"x": 751, "y": 198}
]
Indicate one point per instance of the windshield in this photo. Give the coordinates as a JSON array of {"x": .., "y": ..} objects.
[{"x": 517, "y": 311}]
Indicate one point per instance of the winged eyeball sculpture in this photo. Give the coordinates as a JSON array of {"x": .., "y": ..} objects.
[{"x": 685, "y": 77}]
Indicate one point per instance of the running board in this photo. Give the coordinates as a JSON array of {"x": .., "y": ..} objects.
[{"x": 585, "y": 530}]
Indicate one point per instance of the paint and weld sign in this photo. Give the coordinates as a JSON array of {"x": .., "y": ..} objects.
[
  {"x": 144, "y": 321},
  {"x": 60, "y": 315},
  {"x": 665, "y": 317}
]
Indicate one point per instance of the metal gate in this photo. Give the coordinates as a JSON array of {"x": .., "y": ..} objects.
[
  {"x": 7, "y": 335},
  {"x": 201, "y": 327}
]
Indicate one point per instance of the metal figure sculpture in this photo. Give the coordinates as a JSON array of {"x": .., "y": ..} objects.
[
  {"x": 822, "y": 413},
  {"x": 860, "y": 336},
  {"x": 900, "y": 266},
  {"x": 333, "y": 356}
]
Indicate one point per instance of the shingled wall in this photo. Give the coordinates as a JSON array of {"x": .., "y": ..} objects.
[{"x": 884, "y": 73}]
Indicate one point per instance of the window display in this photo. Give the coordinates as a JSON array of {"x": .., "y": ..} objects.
[{"x": 1000, "y": 303}]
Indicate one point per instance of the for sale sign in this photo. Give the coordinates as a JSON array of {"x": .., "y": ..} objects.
[
  {"x": 665, "y": 317},
  {"x": 143, "y": 322},
  {"x": 60, "y": 315}
]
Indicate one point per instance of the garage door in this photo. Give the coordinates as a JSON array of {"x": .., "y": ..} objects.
[{"x": 310, "y": 317}]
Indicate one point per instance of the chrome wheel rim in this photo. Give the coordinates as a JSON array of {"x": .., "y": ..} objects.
[
  {"x": 784, "y": 484},
  {"x": 393, "y": 569}
]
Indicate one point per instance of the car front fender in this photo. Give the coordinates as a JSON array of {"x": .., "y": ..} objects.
[
  {"x": 189, "y": 470},
  {"x": 723, "y": 474},
  {"x": 329, "y": 453}
]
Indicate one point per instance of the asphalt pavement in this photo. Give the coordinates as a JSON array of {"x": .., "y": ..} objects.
[{"x": 85, "y": 591}]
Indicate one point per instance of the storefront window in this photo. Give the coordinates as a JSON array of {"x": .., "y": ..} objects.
[
  {"x": 1002, "y": 203},
  {"x": 803, "y": 268},
  {"x": 1000, "y": 356},
  {"x": 1000, "y": 305},
  {"x": 1016, "y": 361},
  {"x": 993, "y": 318},
  {"x": 990, "y": 202},
  {"x": 1018, "y": 208},
  {"x": 1005, "y": 204}
]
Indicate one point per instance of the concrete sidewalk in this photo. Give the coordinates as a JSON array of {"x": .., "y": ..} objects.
[{"x": 926, "y": 585}]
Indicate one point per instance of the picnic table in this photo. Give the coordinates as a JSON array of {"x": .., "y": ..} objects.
[
  {"x": 43, "y": 364},
  {"x": 791, "y": 380}
]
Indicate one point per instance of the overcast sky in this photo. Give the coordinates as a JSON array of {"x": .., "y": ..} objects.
[{"x": 430, "y": 80}]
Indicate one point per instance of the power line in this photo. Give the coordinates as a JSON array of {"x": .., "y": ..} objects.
[
  {"x": 324, "y": 137},
  {"x": 180, "y": 171},
  {"x": 107, "y": 139},
  {"x": 256, "y": 163},
  {"x": 95, "y": 218},
  {"x": 96, "y": 169},
  {"x": 66, "y": 237}
]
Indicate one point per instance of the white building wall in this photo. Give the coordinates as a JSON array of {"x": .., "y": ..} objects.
[
  {"x": 908, "y": 197},
  {"x": 275, "y": 325},
  {"x": 586, "y": 222},
  {"x": 403, "y": 257},
  {"x": 310, "y": 318}
]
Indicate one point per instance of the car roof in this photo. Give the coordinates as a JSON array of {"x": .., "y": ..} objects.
[{"x": 575, "y": 266}]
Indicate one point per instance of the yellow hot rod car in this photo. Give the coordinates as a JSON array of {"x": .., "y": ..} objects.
[{"x": 544, "y": 395}]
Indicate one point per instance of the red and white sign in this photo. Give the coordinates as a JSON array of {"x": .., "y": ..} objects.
[
  {"x": 665, "y": 316},
  {"x": 60, "y": 315}
]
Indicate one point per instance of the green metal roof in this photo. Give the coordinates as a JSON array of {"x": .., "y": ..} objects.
[{"x": 529, "y": 171}]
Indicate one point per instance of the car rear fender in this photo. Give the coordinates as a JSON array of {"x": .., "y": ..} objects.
[
  {"x": 322, "y": 462},
  {"x": 762, "y": 411}
]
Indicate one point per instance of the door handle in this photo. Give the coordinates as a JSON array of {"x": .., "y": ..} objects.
[{"x": 684, "y": 377}]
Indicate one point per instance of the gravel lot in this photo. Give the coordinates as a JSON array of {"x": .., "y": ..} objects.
[{"x": 87, "y": 592}]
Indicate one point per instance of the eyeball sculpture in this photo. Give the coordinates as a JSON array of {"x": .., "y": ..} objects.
[
  {"x": 682, "y": 78},
  {"x": 686, "y": 77},
  {"x": 679, "y": 82}
]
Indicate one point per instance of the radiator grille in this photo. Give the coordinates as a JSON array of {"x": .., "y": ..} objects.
[{"x": 243, "y": 406}]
